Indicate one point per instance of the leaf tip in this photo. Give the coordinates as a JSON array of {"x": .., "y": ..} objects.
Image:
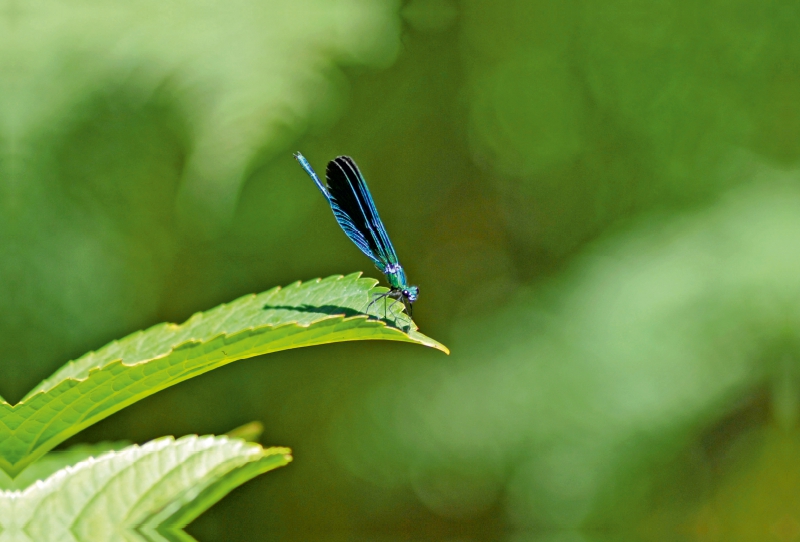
[
  {"x": 284, "y": 453},
  {"x": 424, "y": 340},
  {"x": 249, "y": 432},
  {"x": 438, "y": 346}
]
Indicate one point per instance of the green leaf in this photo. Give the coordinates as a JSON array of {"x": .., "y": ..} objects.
[
  {"x": 249, "y": 432},
  {"x": 56, "y": 460},
  {"x": 139, "y": 493},
  {"x": 100, "y": 383}
]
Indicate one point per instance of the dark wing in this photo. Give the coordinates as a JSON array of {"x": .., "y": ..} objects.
[
  {"x": 349, "y": 227},
  {"x": 355, "y": 211}
]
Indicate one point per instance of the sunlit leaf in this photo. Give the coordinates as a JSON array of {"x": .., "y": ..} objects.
[
  {"x": 139, "y": 493},
  {"x": 100, "y": 383},
  {"x": 55, "y": 460}
]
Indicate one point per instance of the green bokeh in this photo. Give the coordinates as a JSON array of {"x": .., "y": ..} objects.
[{"x": 599, "y": 201}]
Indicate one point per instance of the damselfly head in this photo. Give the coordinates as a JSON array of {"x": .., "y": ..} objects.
[{"x": 411, "y": 293}]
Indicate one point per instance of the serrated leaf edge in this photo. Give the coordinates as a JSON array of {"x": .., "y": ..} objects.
[{"x": 418, "y": 338}]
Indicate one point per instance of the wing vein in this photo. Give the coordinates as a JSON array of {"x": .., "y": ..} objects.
[
  {"x": 382, "y": 239},
  {"x": 378, "y": 253}
]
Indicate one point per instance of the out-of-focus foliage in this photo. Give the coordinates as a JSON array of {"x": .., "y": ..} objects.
[
  {"x": 626, "y": 357},
  {"x": 598, "y": 201},
  {"x": 145, "y": 116},
  {"x": 589, "y": 111},
  {"x": 123, "y": 372}
]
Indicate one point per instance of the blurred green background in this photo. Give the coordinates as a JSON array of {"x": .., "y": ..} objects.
[{"x": 599, "y": 200}]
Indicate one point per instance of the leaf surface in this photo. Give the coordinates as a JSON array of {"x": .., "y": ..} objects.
[
  {"x": 137, "y": 493},
  {"x": 55, "y": 460},
  {"x": 100, "y": 383}
]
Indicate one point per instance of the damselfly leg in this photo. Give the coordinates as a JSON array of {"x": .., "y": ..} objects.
[
  {"x": 397, "y": 297},
  {"x": 375, "y": 298}
]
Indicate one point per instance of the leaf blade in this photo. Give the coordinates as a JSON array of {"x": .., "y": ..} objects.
[
  {"x": 125, "y": 371},
  {"x": 136, "y": 490}
]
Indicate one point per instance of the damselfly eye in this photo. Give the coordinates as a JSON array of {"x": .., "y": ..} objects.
[{"x": 405, "y": 293}]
